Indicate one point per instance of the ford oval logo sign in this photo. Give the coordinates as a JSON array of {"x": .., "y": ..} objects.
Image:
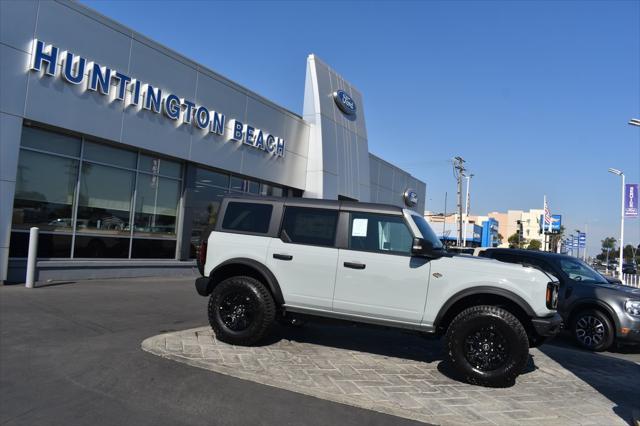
[
  {"x": 344, "y": 102},
  {"x": 410, "y": 198}
]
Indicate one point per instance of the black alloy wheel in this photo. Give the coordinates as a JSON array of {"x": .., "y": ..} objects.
[
  {"x": 487, "y": 348},
  {"x": 237, "y": 310},
  {"x": 487, "y": 345},
  {"x": 592, "y": 330},
  {"x": 241, "y": 311}
]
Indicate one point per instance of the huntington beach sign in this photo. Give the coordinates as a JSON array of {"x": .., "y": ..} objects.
[{"x": 134, "y": 93}]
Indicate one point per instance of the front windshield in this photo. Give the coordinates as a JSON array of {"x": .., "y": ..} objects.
[
  {"x": 426, "y": 231},
  {"x": 577, "y": 270}
]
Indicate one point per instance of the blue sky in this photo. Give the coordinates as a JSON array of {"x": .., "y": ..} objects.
[{"x": 534, "y": 95}]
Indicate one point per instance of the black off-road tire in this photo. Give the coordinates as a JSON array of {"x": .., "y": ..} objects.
[
  {"x": 505, "y": 341},
  {"x": 596, "y": 319},
  {"x": 246, "y": 295}
]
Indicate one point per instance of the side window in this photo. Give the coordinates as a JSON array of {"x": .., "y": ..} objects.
[
  {"x": 247, "y": 217},
  {"x": 380, "y": 233},
  {"x": 303, "y": 225}
]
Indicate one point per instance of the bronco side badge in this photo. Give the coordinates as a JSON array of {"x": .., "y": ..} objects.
[{"x": 437, "y": 274}]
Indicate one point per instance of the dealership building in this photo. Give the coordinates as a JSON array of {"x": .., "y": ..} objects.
[{"x": 119, "y": 149}]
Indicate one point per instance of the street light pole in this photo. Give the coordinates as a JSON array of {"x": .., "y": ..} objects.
[
  {"x": 634, "y": 122},
  {"x": 620, "y": 258},
  {"x": 466, "y": 214}
]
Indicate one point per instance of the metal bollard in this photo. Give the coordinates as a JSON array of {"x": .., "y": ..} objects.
[{"x": 31, "y": 257}]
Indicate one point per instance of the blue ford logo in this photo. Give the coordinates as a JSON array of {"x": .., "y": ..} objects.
[
  {"x": 344, "y": 102},
  {"x": 410, "y": 198}
]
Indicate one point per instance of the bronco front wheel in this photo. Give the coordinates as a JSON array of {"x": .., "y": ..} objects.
[{"x": 487, "y": 345}]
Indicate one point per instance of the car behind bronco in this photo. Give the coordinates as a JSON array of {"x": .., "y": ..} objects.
[{"x": 269, "y": 259}]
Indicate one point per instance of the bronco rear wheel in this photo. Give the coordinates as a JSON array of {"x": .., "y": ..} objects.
[
  {"x": 487, "y": 346},
  {"x": 241, "y": 311}
]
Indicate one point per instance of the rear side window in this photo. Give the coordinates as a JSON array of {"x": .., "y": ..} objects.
[
  {"x": 247, "y": 217},
  {"x": 303, "y": 225}
]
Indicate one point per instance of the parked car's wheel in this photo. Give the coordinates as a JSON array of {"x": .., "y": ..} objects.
[
  {"x": 592, "y": 330},
  {"x": 487, "y": 346},
  {"x": 241, "y": 311}
]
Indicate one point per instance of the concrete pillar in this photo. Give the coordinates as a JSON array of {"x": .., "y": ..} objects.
[{"x": 10, "y": 131}]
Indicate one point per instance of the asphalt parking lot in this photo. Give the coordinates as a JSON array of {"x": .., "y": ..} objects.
[{"x": 70, "y": 354}]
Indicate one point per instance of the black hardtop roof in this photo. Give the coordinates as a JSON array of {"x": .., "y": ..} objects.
[
  {"x": 530, "y": 253},
  {"x": 327, "y": 204}
]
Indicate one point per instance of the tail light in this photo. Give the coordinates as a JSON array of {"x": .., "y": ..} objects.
[
  {"x": 201, "y": 258},
  {"x": 553, "y": 289}
]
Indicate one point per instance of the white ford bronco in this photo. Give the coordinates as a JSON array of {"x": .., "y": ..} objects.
[{"x": 278, "y": 259}]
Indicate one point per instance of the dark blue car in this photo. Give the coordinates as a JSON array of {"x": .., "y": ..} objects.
[{"x": 595, "y": 310}]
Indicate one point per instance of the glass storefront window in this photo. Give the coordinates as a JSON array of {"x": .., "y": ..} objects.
[
  {"x": 52, "y": 167},
  {"x": 105, "y": 199},
  {"x": 156, "y": 249},
  {"x": 49, "y": 245},
  {"x": 253, "y": 187},
  {"x": 158, "y": 165},
  {"x": 45, "y": 187},
  {"x": 270, "y": 190},
  {"x": 97, "y": 246},
  {"x": 237, "y": 184},
  {"x": 207, "y": 177},
  {"x": 43, "y": 140},
  {"x": 156, "y": 205},
  {"x": 110, "y": 155}
]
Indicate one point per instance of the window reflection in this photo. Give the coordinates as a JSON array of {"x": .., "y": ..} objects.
[
  {"x": 45, "y": 185},
  {"x": 156, "y": 205},
  {"x": 105, "y": 199}
]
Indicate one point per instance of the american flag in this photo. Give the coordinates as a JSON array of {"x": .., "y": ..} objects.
[{"x": 547, "y": 213}]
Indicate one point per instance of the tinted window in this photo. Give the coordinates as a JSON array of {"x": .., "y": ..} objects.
[
  {"x": 247, "y": 217},
  {"x": 580, "y": 271},
  {"x": 372, "y": 232},
  {"x": 309, "y": 226},
  {"x": 426, "y": 231}
]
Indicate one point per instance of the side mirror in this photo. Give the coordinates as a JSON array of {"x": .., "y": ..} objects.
[{"x": 422, "y": 247}]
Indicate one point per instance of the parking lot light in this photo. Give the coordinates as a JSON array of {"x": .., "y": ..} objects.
[
  {"x": 634, "y": 122},
  {"x": 619, "y": 173}
]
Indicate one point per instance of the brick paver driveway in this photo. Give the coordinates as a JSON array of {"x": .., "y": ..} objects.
[{"x": 402, "y": 374}]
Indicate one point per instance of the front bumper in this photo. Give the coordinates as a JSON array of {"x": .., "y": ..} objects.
[
  {"x": 547, "y": 326},
  {"x": 202, "y": 286}
]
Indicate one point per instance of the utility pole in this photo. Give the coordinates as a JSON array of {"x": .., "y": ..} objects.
[
  {"x": 458, "y": 171},
  {"x": 444, "y": 218}
]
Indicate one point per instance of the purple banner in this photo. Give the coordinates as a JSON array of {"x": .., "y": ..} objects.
[{"x": 631, "y": 200}]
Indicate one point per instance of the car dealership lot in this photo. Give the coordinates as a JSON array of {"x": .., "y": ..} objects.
[{"x": 70, "y": 354}]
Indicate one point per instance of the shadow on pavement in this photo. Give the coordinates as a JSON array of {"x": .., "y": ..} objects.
[
  {"x": 616, "y": 379},
  {"x": 373, "y": 339}
]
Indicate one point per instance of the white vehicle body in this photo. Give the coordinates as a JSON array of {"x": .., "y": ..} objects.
[{"x": 400, "y": 290}]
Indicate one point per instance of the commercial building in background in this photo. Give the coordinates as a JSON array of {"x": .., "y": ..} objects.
[
  {"x": 119, "y": 149},
  {"x": 476, "y": 232}
]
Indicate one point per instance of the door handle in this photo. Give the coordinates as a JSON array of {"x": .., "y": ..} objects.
[
  {"x": 354, "y": 265},
  {"x": 282, "y": 256}
]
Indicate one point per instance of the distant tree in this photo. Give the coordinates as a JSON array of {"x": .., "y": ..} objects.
[
  {"x": 628, "y": 252},
  {"x": 609, "y": 243},
  {"x": 534, "y": 245},
  {"x": 500, "y": 238},
  {"x": 515, "y": 241}
]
